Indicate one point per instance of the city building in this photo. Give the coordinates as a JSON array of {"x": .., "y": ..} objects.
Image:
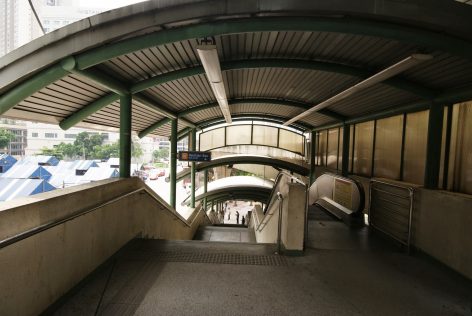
[{"x": 17, "y": 146}]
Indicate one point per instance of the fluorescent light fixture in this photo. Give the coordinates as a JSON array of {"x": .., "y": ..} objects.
[
  {"x": 209, "y": 58},
  {"x": 383, "y": 75}
]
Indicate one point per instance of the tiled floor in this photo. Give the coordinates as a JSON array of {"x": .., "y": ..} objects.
[{"x": 343, "y": 272}]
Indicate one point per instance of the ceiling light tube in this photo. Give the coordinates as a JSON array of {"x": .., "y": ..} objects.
[
  {"x": 209, "y": 58},
  {"x": 383, "y": 75}
]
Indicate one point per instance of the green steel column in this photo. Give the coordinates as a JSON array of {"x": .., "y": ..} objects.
[
  {"x": 192, "y": 171},
  {"x": 313, "y": 158},
  {"x": 125, "y": 136},
  {"x": 173, "y": 163},
  {"x": 205, "y": 187},
  {"x": 346, "y": 145},
  {"x": 433, "y": 147}
]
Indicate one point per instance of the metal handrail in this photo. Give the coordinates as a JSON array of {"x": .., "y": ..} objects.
[
  {"x": 36, "y": 230},
  {"x": 410, "y": 211}
]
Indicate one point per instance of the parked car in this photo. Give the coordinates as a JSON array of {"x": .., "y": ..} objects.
[{"x": 153, "y": 174}]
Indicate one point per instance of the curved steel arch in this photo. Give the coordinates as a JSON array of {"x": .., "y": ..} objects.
[
  {"x": 345, "y": 25},
  {"x": 339, "y": 68},
  {"x": 396, "y": 82},
  {"x": 247, "y": 159}
]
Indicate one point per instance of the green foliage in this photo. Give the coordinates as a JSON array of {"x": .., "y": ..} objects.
[
  {"x": 106, "y": 151},
  {"x": 85, "y": 144},
  {"x": 136, "y": 150},
  {"x": 160, "y": 153},
  {"x": 5, "y": 137},
  {"x": 89, "y": 147}
]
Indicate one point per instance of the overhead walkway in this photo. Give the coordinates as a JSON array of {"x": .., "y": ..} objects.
[
  {"x": 235, "y": 188},
  {"x": 279, "y": 163}
]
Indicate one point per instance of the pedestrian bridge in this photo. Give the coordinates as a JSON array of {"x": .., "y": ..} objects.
[{"x": 376, "y": 91}]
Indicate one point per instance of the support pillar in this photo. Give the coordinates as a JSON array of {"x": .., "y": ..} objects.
[
  {"x": 192, "y": 171},
  {"x": 173, "y": 164},
  {"x": 205, "y": 187},
  {"x": 313, "y": 158},
  {"x": 433, "y": 147},
  {"x": 125, "y": 136},
  {"x": 346, "y": 145}
]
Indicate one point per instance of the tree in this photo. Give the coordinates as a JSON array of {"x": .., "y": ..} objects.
[
  {"x": 136, "y": 149},
  {"x": 160, "y": 153},
  {"x": 85, "y": 144},
  {"x": 106, "y": 151},
  {"x": 5, "y": 137}
]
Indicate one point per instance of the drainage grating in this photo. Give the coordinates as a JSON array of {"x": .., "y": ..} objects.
[{"x": 221, "y": 258}]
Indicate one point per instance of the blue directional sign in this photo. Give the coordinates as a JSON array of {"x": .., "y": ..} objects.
[{"x": 194, "y": 156}]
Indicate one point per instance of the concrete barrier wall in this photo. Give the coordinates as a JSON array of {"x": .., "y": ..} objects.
[
  {"x": 293, "y": 217},
  {"x": 37, "y": 271}
]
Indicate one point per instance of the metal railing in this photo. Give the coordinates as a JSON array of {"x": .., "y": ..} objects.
[
  {"x": 391, "y": 210},
  {"x": 36, "y": 230}
]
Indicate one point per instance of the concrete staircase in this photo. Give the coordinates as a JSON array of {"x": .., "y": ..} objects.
[{"x": 225, "y": 234}]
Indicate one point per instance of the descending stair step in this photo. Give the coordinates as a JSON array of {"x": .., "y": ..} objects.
[{"x": 225, "y": 234}]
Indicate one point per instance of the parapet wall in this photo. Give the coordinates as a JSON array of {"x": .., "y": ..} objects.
[{"x": 40, "y": 269}]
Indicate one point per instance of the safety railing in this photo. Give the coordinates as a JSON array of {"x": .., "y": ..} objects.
[
  {"x": 36, "y": 230},
  {"x": 391, "y": 210}
]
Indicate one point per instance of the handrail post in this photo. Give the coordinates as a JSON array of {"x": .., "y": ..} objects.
[
  {"x": 173, "y": 164},
  {"x": 279, "y": 228}
]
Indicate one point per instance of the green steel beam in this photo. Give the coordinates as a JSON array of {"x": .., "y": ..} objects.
[
  {"x": 393, "y": 31},
  {"x": 396, "y": 82},
  {"x": 153, "y": 127},
  {"x": 183, "y": 133},
  {"x": 125, "y": 136},
  {"x": 205, "y": 187},
  {"x": 173, "y": 163},
  {"x": 70, "y": 64},
  {"x": 104, "y": 80},
  {"x": 281, "y": 102},
  {"x": 152, "y": 105},
  {"x": 348, "y": 25},
  {"x": 247, "y": 159},
  {"x": 27, "y": 88},
  {"x": 193, "y": 147},
  {"x": 88, "y": 110}
]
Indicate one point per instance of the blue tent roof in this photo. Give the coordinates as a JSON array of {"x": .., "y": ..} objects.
[
  {"x": 13, "y": 188},
  {"x": 6, "y": 161},
  {"x": 40, "y": 160},
  {"x": 27, "y": 171}
]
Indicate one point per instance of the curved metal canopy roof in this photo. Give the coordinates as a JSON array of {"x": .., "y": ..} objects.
[{"x": 278, "y": 58}]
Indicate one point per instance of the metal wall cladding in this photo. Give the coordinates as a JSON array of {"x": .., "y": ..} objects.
[
  {"x": 415, "y": 147},
  {"x": 388, "y": 146},
  {"x": 460, "y": 162},
  {"x": 363, "y": 148},
  {"x": 332, "y": 150},
  {"x": 165, "y": 129}
]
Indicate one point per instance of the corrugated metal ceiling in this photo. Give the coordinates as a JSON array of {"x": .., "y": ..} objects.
[{"x": 72, "y": 93}]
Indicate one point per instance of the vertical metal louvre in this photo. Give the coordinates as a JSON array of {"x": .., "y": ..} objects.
[{"x": 390, "y": 210}]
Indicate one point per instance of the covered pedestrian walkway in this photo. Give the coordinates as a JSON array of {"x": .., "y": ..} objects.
[{"x": 377, "y": 92}]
